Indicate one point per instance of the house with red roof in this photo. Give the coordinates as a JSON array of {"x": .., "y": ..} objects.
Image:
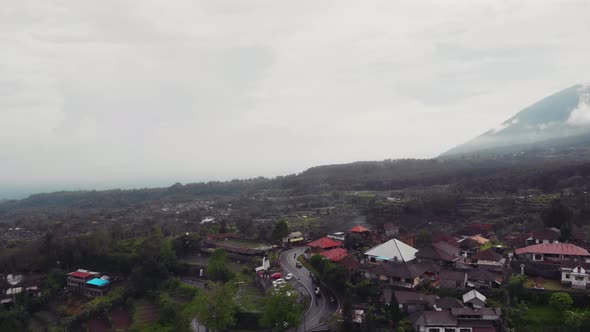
[
  {"x": 335, "y": 255},
  {"x": 359, "y": 229},
  {"x": 87, "y": 283},
  {"x": 324, "y": 243},
  {"x": 554, "y": 252}
]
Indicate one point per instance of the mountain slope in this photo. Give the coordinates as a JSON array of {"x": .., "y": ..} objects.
[{"x": 565, "y": 114}]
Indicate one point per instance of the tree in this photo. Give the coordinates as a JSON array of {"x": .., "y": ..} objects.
[
  {"x": 574, "y": 319},
  {"x": 217, "y": 268},
  {"x": 514, "y": 317},
  {"x": 369, "y": 320},
  {"x": 216, "y": 308},
  {"x": 316, "y": 260},
  {"x": 280, "y": 230},
  {"x": 186, "y": 244},
  {"x": 393, "y": 312},
  {"x": 561, "y": 301},
  {"x": 281, "y": 309},
  {"x": 423, "y": 238},
  {"x": 516, "y": 285},
  {"x": 558, "y": 216},
  {"x": 404, "y": 325},
  {"x": 347, "y": 324},
  {"x": 353, "y": 241},
  {"x": 245, "y": 225}
]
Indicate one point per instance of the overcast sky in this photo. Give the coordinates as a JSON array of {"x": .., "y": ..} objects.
[{"x": 102, "y": 94}]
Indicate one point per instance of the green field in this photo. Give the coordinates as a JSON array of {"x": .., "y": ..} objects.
[
  {"x": 249, "y": 297},
  {"x": 542, "y": 317}
]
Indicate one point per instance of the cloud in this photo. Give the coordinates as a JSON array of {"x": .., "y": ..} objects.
[
  {"x": 580, "y": 116},
  {"x": 124, "y": 93}
]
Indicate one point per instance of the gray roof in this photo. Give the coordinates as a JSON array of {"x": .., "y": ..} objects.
[
  {"x": 452, "y": 275},
  {"x": 400, "y": 270},
  {"x": 475, "y": 312},
  {"x": 406, "y": 297},
  {"x": 436, "y": 318},
  {"x": 448, "y": 303},
  {"x": 473, "y": 294}
]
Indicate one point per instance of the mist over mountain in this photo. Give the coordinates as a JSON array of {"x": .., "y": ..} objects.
[{"x": 562, "y": 118}]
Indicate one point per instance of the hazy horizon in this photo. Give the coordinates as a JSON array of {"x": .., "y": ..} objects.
[{"x": 122, "y": 94}]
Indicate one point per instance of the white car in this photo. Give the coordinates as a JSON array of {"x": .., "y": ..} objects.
[
  {"x": 279, "y": 282},
  {"x": 289, "y": 276}
]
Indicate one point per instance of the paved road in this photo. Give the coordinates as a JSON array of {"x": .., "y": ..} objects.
[{"x": 317, "y": 314}]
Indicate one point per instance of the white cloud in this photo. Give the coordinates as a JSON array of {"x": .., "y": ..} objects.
[{"x": 580, "y": 116}]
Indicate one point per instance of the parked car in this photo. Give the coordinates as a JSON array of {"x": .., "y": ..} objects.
[
  {"x": 289, "y": 276},
  {"x": 298, "y": 264},
  {"x": 276, "y": 275},
  {"x": 279, "y": 282}
]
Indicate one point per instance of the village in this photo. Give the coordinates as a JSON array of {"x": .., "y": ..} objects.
[{"x": 385, "y": 277}]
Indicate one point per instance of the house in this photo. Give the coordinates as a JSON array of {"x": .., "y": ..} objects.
[
  {"x": 443, "y": 237},
  {"x": 324, "y": 243},
  {"x": 15, "y": 284},
  {"x": 338, "y": 236},
  {"x": 545, "y": 235},
  {"x": 87, "y": 283},
  {"x": 97, "y": 287},
  {"x": 350, "y": 263},
  {"x": 459, "y": 320},
  {"x": 294, "y": 238},
  {"x": 474, "y": 299},
  {"x": 447, "y": 303},
  {"x": 393, "y": 250},
  {"x": 441, "y": 253},
  {"x": 553, "y": 252},
  {"x": 482, "y": 278},
  {"x": 399, "y": 274},
  {"x": 391, "y": 229},
  {"x": 410, "y": 302},
  {"x": 76, "y": 281},
  {"x": 480, "y": 239},
  {"x": 335, "y": 254},
  {"x": 359, "y": 229},
  {"x": 489, "y": 258},
  {"x": 207, "y": 220},
  {"x": 577, "y": 277},
  {"x": 451, "y": 279},
  {"x": 468, "y": 246}
]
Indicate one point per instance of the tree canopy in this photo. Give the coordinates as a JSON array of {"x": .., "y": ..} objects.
[{"x": 281, "y": 309}]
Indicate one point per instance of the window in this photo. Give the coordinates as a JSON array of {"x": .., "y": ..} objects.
[
  {"x": 567, "y": 275},
  {"x": 579, "y": 278},
  {"x": 464, "y": 330},
  {"x": 433, "y": 330},
  {"x": 449, "y": 330},
  {"x": 372, "y": 259}
]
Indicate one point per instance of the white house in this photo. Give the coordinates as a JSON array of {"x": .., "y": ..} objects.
[
  {"x": 393, "y": 250},
  {"x": 475, "y": 299},
  {"x": 577, "y": 277}
]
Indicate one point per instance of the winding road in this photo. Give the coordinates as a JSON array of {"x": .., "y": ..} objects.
[{"x": 316, "y": 315}]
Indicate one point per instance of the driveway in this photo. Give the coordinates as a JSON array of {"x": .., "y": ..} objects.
[{"x": 318, "y": 313}]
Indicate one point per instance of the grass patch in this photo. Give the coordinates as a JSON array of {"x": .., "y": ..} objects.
[
  {"x": 543, "y": 316},
  {"x": 203, "y": 260},
  {"x": 249, "y": 297},
  {"x": 144, "y": 313}
]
